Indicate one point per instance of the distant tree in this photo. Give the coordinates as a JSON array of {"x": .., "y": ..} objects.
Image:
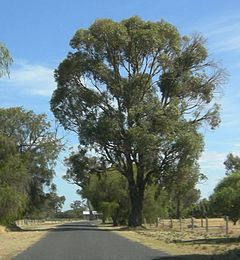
[
  {"x": 51, "y": 205},
  {"x": 200, "y": 209},
  {"x": 232, "y": 163},
  {"x": 156, "y": 204},
  {"x": 181, "y": 187},
  {"x": 108, "y": 194},
  {"x": 225, "y": 200},
  {"x": 137, "y": 93},
  {"x": 78, "y": 208},
  {"x": 68, "y": 214},
  {"x": 5, "y": 60}
]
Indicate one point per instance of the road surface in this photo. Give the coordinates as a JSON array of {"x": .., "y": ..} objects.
[{"x": 84, "y": 241}]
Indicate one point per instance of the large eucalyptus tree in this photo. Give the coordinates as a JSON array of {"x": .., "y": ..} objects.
[{"x": 137, "y": 93}]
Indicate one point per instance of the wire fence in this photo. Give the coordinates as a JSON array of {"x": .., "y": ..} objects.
[
  {"x": 25, "y": 222},
  {"x": 203, "y": 225}
]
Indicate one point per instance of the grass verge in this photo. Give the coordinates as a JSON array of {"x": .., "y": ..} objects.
[
  {"x": 183, "y": 245},
  {"x": 14, "y": 242}
]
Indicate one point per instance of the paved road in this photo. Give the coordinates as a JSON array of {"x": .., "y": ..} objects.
[{"x": 84, "y": 241}]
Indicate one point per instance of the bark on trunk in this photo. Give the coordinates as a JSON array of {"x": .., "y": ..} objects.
[
  {"x": 115, "y": 218},
  {"x": 136, "y": 198},
  {"x": 178, "y": 209}
]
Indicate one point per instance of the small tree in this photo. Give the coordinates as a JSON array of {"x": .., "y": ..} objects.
[
  {"x": 232, "y": 163},
  {"x": 108, "y": 194},
  {"x": 77, "y": 208},
  {"x": 156, "y": 204},
  {"x": 181, "y": 187},
  {"x": 225, "y": 200}
]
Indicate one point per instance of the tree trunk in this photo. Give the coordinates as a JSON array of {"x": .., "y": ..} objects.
[
  {"x": 115, "y": 218},
  {"x": 103, "y": 219},
  {"x": 115, "y": 222},
  {"x": 178, "y": 211},
  {"x": 136, "y": 199}
]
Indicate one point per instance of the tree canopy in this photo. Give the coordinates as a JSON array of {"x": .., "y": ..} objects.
[
  {"x": 232, "y": 163},
  {"x": 28, "y": 151},
  {"x": 225, "y": 200},
  {"x": 137, "y": 93},
  {"x": 14, "y": 181}
]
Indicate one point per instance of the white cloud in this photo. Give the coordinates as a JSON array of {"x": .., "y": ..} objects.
[
  {"x": 222, "y": 28},
  {"x": 212, "y": 160},
  {"x": 231, "y": 43},
  {"x": 222, "y": 32},
  {"x": 33, "y": 79}
]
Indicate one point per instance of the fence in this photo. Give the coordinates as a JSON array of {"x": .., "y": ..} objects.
[
  {"x": 23, "y": 222},
  {"x": 207, "y": 225}
]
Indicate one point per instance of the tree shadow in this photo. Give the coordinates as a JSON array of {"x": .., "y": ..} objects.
[
  {"x": 68, "y": 227},
  {"x": 220, "y": 240}
]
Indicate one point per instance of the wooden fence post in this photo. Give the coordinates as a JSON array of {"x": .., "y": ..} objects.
[
  {"x": 156, "y": 222},
  {"x": 202, "y": 222},
  {"x": 192, "y": 223},
  {"x": 171, "y": 223},
  {"x": 227, "y": 227},
  {"x": 180, "y": 222},
  {"x": 206, "y": 224}
]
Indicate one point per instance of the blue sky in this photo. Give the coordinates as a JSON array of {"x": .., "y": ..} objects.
[{"x": 37, "y": 33}]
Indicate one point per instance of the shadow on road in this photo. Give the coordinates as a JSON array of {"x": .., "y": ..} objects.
[
  {"x": 71, "y": 227},
  {"x": 68, "y": 227}
]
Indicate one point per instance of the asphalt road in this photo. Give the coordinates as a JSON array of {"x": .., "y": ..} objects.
[{"x": 84, "y": 241}]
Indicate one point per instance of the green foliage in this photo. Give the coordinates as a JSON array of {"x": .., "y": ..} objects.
[
  {"x": 68, "y": 214},
  {"x": 201, "y": 209},
  {"x": 156, "y": 204},
  {"x": 13, "y": 182},
  {"x": 232, "y": 163},
  {"x": 181, "y": 188},
  {"x": 108, "y": 194},
  {"x": 225, "y": 200},
  {"x": 50, "y": 206},
  {"x": 28, "y": 150},
  {"x": 80, "y": 167},
  {"x": 137, "y": 92},
  {"x": 12, "y": 204},
  {"x": 77, "y": 208}
]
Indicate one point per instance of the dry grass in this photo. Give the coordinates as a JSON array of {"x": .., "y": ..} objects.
[
  {"x": 14, "y": 242},
  {"x": 215, "y": 225},
  {"x": 189, "y": 245}
]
